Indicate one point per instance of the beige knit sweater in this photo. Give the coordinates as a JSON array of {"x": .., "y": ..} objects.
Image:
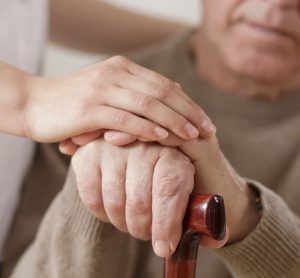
[{"x": 260, "y": 139}]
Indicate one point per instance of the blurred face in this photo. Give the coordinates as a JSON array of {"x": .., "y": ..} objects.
[{"x": 255, "y": 38}]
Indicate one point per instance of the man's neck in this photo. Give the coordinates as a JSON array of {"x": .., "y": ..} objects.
[{"x": 210, "y": 67}]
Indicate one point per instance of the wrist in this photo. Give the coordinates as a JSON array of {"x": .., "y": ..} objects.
[
  {"x": 244, "y": 214},
  {"x": 28, "y": 107},
  {"x": 34, "y": 88},
  {"x": 14, "y": 98},
  {"x": 214, "y": 174}
]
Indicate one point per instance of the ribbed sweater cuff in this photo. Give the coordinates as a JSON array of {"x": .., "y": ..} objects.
[{"x": 273, "y": 248}]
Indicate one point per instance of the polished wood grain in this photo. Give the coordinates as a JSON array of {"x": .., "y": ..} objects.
[{"x": 205, "y": 216}]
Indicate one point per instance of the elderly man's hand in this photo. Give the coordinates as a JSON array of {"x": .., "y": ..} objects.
[
  {"x": 213, "y": 174},
  {"x": 142, "y": 189}
]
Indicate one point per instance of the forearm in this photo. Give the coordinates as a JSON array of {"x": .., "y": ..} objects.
[
  {"x": 14, "y": 87},
  {"x": 95, "y": 26}
]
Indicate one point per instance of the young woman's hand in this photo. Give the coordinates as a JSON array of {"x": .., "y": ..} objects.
[{"x": 115, "y": 94}]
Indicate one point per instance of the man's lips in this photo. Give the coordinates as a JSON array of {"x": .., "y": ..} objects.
[
  {"x": 267, "y": 31},
  {"x": 266, "y": 17},
  {"x": 275, "y": 30}
]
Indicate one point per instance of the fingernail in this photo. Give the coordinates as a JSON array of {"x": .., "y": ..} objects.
[
  {"x": 162, "y": 248},
  {"x": 208, "y": 127},
  {"x": 110, "y": 135},
  {"x": 191, "y": 131},
  {"x": 161, "y": 132}
]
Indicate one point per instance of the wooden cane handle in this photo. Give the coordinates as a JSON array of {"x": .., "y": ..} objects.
[{"x": 205, "y": 215}]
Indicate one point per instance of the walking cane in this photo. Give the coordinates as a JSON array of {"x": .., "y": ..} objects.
[{"x": 205, "y": 215}]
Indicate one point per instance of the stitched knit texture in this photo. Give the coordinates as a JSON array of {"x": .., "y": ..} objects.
[{"x": 273, "y": 249}]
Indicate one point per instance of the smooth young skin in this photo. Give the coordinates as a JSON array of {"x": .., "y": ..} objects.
[
  {"x": 115, "y": 94},
  {"x": 250, "y": 48}
]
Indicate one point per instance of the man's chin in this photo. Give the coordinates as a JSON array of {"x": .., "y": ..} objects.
[{"x": 263, "y": 68}]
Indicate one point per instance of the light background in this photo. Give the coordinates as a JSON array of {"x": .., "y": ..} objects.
[{"x": 60, "y": 61}]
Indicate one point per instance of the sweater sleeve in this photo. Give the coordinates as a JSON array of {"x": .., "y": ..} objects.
[
  {"x": 273, "y": 248},
  {"x": 71, "y": 242}
]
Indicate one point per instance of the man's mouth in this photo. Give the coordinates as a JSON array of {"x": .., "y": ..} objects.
[
  {"x": 265, "y": 32},
  {"x": 275, "y": 31},
  {"x": 267, "y": 22}
]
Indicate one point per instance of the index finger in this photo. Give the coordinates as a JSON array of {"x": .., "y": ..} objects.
[
  {"x": 173, "y": 182},
  {"x": 186, "y": 108}
]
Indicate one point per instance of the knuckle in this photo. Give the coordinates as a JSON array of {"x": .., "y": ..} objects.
[
  {"x": 197, "y": 113},
  {"x": 119, "y": 60},
  {"x": 106, "y": 70},
  {"x": 93, "y": 203},
  {"x": 178, "y": 86},
  {"x": 122, "y": 118},
  {"x": 138, "y": 205},
  {"x": 141, "y": 231},
  {"x": 90, "y": 200},
  {"x": 184, "y": 162},
  {"x": 113, "y": 195},
  {"x": 198, "y": 116},
  {"x": 191, "y": 168},
  {"x": 146, "y": 101},
  {"x": 166, "y": 88},
  {"x": 169, "y": 185},
  {"x": 162, "y": 93},
  {"x": 82, "y": 156},
  {"x": 147, "y": 151},
  {"x": 115, "y": 205},
  {"x": 113, "y": 186},
  {"x": 177, "y": 158},
  {"x": 146, "y": 178},
  {"x": 170, "y": 153}
]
